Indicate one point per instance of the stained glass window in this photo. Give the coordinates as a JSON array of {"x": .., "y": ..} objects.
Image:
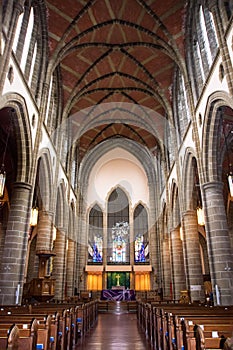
[
  {"x": 141, "y": 241},
  {"x": 97, "y": 249},
  {"x": 139, "y": 249},
  {"x": 95, "y": 241},
  {"x": 118, "y": 228},
  {"x": 119, "y": 250}
]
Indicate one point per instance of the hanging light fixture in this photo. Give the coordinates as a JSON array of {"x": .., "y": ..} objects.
[
  {"x": 2, "y": 180},
  {"x": 200, "y": 216},
  {"x": 230, "y": 183},
  {"x": 34, "y": 216},
  {"x": 199, "y": 209},
  {"x": 181, "y": 234},
  {"x": 2, "y": 170}
]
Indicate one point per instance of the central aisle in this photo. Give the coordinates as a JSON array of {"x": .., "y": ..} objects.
[{"x": 115, "y": 331}]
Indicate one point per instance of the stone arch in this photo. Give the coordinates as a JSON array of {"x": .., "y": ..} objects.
[
  {"x": 72, "y": 217},
  {"x": 141, "y": 203},
  {"x": 164, "y": 221},
  {"x": 61, "y": 207},
  {"x": 97, "y": 204},
  {"x": 189, "y": 180},
  {"x": 175, "y": 207},
  {"x": 44, "y": 179},
  {"x": 211, "y": 127},
  {"x": 144, "y": 157},
  {"x": 22, "y": 130},
  {"x": 121, "y": 188}
]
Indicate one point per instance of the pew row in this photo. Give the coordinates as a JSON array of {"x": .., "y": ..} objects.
[
  {"x": 185, "y": 327},
  {"x": 58, "y": 326}
]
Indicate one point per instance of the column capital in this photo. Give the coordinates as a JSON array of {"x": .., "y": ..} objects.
[
  {"x": 212, "y": 185},
  {"x": 62, "y": 230},
  {"x": 175, "y": 230},
  {"x": 46, "y": 212},
  {"x": 189, "y": 212},
  {"x": 23, "y": 185}
]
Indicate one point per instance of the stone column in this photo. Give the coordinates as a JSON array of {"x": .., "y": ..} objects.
[
  {"x": 59, "y": 266},
  {"x": 194, "y": 273},
  {"x": 44, "y": 240},
  {"x": 82, "y": 255},
  {"x": 153, "y": 257},
  {"x": 15, "y": 247},
  {"x": 70, "y": 268},
  {"x": 178, "y": 270},
  {"x": 44, "y": 231},
  {"x": 166, "y": 268},
  {"x": 132, "y": 248},
  {"x": 219, "y": 245},
  {"x": 105, "y": 248}
]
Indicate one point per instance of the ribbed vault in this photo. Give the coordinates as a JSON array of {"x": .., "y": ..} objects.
[{"x": 111, "y": 52}]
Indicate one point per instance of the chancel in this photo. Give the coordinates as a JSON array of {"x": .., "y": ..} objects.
[{"x": 116, "y": 133}]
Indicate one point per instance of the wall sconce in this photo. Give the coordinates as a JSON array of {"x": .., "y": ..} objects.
[
  {"x": 227, "y": 267},
  {"x": 181, "y": 234},
  {"x": 54, "y": 233},
  {"x": 2, "y": 180},
  {"x": 230, "y": 183},
  {"x": 4, "y": 200},
  {"x": 34, "y": 216},
  {"x": 200, "y": 216}
]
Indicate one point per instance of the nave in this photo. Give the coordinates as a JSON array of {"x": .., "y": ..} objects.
[{"x": 115, "y": 331}]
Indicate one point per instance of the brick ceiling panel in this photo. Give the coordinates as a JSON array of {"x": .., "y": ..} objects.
[{"x": 116, "y": 52}]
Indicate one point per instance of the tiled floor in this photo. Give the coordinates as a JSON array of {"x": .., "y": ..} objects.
[{"x": 115, "y": 331}]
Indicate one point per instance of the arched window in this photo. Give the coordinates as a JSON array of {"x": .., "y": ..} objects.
[
  {"x": 118, "y": 228},
  {"x": 205, "y": 36},
  {"x": 95, "y": 239},
  {"x": 168, "y": 143},
  {"x": 53, "y": 117},
  {"x": 74, "y": 168},
  {"x": 30, "y": 45},
  {"x": 182, "y": 115},
  {"x": 141, "y": 242},
  {"x": 32, "y": 65},
  {"x": 17, "y": 32},
  {"x": 27, "y": 40},
  {"x": 202, "y": 46}
]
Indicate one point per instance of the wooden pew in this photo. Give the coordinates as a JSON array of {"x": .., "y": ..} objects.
[
  {"x": 207, "y": 333},
  {"x": 38, "y": 333},
  {"x": 162, "y": 323},
  {"x": 9, "y": 338},
  {"x": 59, "y": 325},
  {"x": 17, "y": 337},
  {"x": 181, "y": 330}
]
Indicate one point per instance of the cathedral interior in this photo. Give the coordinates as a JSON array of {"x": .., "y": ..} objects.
[{"x": 116, "y": 149}]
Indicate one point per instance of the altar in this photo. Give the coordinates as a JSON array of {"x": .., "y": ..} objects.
[
  {"x": 118, "y": 294},
  {"x": 118, "y": 287}
]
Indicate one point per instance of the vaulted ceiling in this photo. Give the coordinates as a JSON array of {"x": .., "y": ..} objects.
[{"x": 117, "y": 60}]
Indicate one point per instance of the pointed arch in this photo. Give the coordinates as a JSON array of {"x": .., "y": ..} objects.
[
  {"x": 191, "y": 183},
  {"x": 44, "y": 179},
  {"x": 61, "y": 208}
]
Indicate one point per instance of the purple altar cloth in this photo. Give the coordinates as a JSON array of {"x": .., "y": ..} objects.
[{"x": 118, "y": 294}]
